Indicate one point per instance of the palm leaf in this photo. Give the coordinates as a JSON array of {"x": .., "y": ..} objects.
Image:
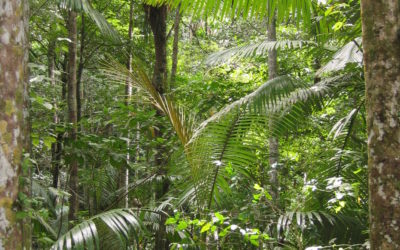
[
  {"x": 349, "y": 53},
  {"x": 224, "y": 139},
  {"x": 85, "y": 7},
  {"x": 255, "y": 50},
  {"x": 182, "y": 123},
  {"x": 299, "y": 10},
  {"x": 122, "y": 223}
]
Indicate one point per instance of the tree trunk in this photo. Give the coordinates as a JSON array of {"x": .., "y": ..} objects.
[
  {"x": 124, "y": 172},
  {"x": 381, "y": 43},
  {"x": 56, "y": 146},
  {"x": 79, "y": 87},
  {"x": 175, "y": 46},
  {"x": 158, "y": 24},
  {"x": 157, "y": 20},
  {"x": 273, "y": 141},
  {"x": 72, "y": 114},
  {"x": 13, "y": 117}
]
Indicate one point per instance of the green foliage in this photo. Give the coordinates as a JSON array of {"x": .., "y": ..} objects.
[
  {"x": 85, "y": 7},
  {"x": 301, "y": 10},
  {"x": 206, "y": 138},
  {"x": 91, "y": 233}
]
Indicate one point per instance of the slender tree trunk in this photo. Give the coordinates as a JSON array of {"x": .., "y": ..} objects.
[
  {"x": 381, "y": 43},
  {"x": 175, "y": 46},
  {"x": 56, "y": 146},
  {"x": 64, "y": 78},
  {"x": 79, "y": 87},
  {"x": 13, "y": 116},
  {"x": 26, "y": 186},
  {"x": 157, "y": 20},
  {"x": 72, "y": 114},
  {"x": 273, "y": 141},
  {"x": 124, "y": 174}
]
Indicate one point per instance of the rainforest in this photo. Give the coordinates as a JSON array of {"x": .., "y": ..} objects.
[{"x": 200, "y": 124}]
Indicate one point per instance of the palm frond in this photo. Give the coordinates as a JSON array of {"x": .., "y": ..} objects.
[
  {"x": 85, "y": 7},
  {"x": 224, "y": 140},
  {"x": 349, "y": 53},
  {"x": 301, "y": 103},
  {"x": 329, "y": 225},
  {"x": 182, "y": 123},
  {"x": 339, "y": 128},
  {"x": 121, "y": 223},
  {"x": 298, "y": 10},
  {"x": 255, "y": 50}
]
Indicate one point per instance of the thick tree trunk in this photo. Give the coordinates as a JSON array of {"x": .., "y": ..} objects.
[
  {"x": 273, "y": 141},
  {"x": 175, "y": 46},
  {"x": 381, "y": 44},
  {"x": 157, "y": 21},
  {"x": 13, "y": 117},
  {"x": 158, "y": 24},
  {"x": 72, "y": 114}
]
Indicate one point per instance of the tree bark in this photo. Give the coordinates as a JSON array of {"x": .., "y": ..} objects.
[
  {"x": 56, "y": 146},
  {"x": 175, "y": 46},
  {"x": 381, "y": 45},
  {"x": 273, "y": 141},
  {"x": 158, "y": 24},
  {"x": 13, "y": 119},
  {"x": 157, "y": 20},
  {"x": 72, "y": 114},
  {"x": 79, "y": 86}
]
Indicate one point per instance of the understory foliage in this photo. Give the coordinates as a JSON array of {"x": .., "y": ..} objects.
[{"x": 205, "y": 139}]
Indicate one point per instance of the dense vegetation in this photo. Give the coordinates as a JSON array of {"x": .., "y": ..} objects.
[{"x": 206, "y": 124}]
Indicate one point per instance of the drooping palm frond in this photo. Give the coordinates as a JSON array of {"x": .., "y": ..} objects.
[
  {"x": 298, "y": 10},
  {"x": 339, "y": 128},
  {"x": 302, "y": 102},
  {"x": 301, "y": 219},
  {"x": 349, "y": 53},
  {"x": 280, "y": 105},
  {"x": 328, "y": 225},
  {"x": 260, "y": 101},
  {"x": 224, "y": 140},
  {"x": 120, "y": 226},
  {"x": 182, "y": 124},
  {"x": 85, "y": 7},
  {"x": 255, "y": 50}
]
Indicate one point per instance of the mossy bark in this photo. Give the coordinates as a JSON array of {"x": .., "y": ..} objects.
[
  {"x": 381, "y": 44},
  {"x": 13, "y": 116}
]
